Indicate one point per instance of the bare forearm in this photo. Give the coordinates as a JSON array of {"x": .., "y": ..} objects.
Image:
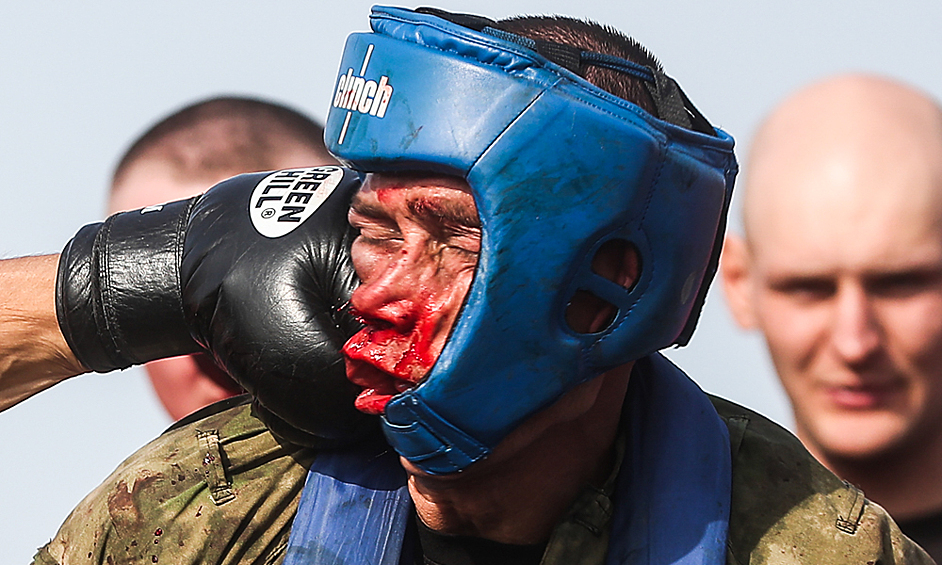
[{"x": 33, "y": 354}]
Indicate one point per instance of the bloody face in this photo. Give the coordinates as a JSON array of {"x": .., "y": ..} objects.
[{"x": 416, "y": 253}]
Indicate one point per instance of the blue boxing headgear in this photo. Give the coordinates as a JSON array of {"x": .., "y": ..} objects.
[{"x": 557, "y": 168}]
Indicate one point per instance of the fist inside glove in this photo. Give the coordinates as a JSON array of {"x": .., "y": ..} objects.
[{"x": 257, "y": 271}]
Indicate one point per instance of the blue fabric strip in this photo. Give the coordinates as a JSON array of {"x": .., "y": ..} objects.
[
  {"x": 673, "y": 492},
  {"x": 671, "y": 501},
  {"x": 354, "y": 509}
]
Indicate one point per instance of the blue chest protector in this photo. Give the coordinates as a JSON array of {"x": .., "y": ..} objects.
[{"x": 671, "y": 500}]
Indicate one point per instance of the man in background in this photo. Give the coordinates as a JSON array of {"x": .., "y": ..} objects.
[
  {"x": 840, "y": 268},
  {"x": 183, "y": 155},
  {"x": 505, "y": 435}
]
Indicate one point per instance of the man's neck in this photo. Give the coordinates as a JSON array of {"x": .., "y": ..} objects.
[
  {"x": 905, "y": 481},
  {"x": 519, "y": 493}
]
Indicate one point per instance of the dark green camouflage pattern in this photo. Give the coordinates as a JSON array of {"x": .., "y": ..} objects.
[
  {"x": 224, "y": 490},
  {"x": 788, "y": 508},
  {"x": 220, "y": 490}
]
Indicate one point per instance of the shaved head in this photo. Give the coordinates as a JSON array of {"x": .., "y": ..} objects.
[
  {"x": 214, "y": 139},
  {"x": 843, "y": 145},
  {"x": 841, "y": 270}
]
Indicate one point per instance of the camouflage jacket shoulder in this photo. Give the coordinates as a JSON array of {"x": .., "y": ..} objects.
[
  {"x": 221, "y": 490},
  {"x": 788, "y": 508},
  {"x": 224, "y": 490}
]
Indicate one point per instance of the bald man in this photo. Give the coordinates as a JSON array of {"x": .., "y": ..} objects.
[
  {"x": 841, "y": 270},
  {"x": 183, "y": 155}
]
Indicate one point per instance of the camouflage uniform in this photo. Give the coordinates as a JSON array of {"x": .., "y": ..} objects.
[{"x": 224, "y": 490}]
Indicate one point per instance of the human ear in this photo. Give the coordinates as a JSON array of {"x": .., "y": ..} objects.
[
  {"x": 617, "y": 260},
  {"x": 736, "y": 273}
]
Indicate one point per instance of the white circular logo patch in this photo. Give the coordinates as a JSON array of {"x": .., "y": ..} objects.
[{"x": 284, "y": 199}]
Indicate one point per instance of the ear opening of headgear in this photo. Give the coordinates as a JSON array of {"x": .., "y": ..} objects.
[
  {"x": 590, "y": 310},
  {"x": 549, "y": 157}
]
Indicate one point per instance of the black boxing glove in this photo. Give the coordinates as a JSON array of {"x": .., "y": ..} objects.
[{"x": 256, "y": 271}]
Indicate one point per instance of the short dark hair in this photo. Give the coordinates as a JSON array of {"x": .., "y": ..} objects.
[
  {"x": 224, "y": 134},
  {"x": 591, "y": 36}
]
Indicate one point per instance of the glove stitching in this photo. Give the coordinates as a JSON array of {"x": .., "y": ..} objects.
[
  {"x": 111, "y": 331},
  {"x": 179, "y": 247}
]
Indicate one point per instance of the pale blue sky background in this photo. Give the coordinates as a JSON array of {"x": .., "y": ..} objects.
[{"x": 78, "y": 80}]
